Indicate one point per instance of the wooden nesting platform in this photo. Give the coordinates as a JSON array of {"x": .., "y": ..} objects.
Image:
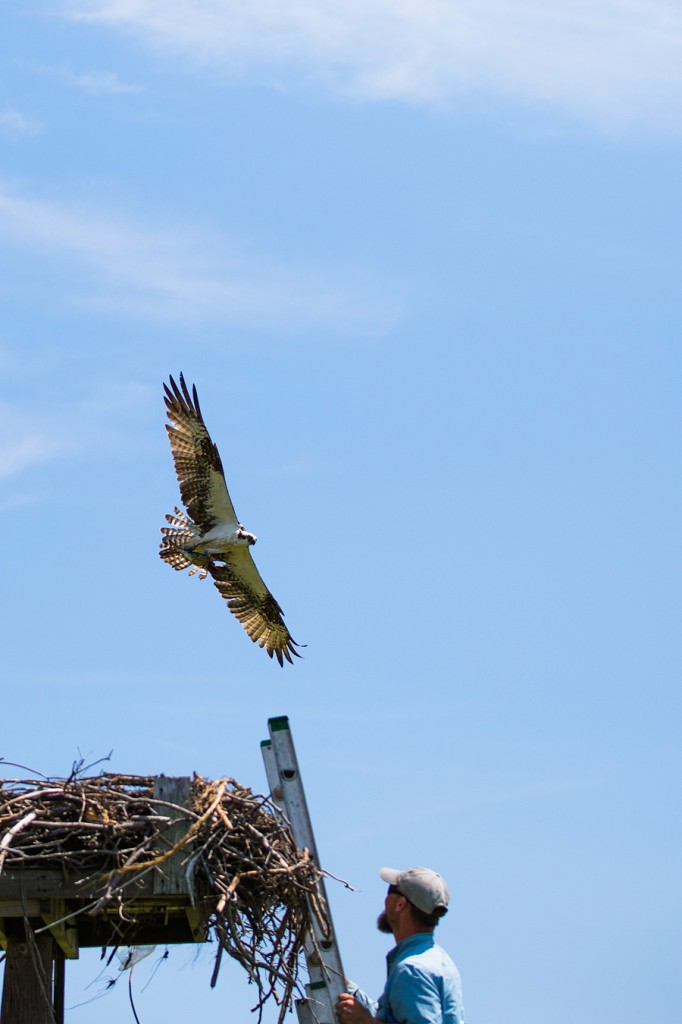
[{"x": 117, "y": 860}]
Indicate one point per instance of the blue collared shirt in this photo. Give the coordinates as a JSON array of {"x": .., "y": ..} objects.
[{"x": 423, "y": 985}]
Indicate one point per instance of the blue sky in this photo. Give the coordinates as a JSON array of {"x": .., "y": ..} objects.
[{"x": 422, "y": 262}]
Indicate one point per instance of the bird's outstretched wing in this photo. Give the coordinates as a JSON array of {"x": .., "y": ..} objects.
[
  {"x": 250, "y": 601},
  {"x": 197, "y": 462}
]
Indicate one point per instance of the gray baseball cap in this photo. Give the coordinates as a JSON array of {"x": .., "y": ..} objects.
[{"x": 421, "y": 886}]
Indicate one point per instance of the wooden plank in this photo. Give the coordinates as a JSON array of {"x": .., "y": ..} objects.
[
  {"x": 170, "y": 878},
  {"x": 17, "y": 908},
  {"x": 168, "y": 904},
  {"x": 52, "y": 885}
]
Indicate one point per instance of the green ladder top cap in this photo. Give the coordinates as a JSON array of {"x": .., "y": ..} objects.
[
  {"x": 266, "y": 743},
  {"x": 279, "y": 724}
]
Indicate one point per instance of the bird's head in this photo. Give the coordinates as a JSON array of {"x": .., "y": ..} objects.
[{"x": 243, "y": 534}]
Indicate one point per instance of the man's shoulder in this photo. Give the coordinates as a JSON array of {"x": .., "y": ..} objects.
[{"x": 429, "y": 958}]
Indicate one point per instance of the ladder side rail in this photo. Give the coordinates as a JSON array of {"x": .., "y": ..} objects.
[
  {"x": 316, "y": 971},
  {"x": 293, "y": 794},
  {"x": 327, "y": 979},
  {"x": 317, "y": 986}
]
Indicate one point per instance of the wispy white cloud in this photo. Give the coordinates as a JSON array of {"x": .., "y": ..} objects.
[
  {"x": 612, "y": 61},
  {"x": 103, "y": 422},
  {"x": 182, "y": 273},
  {"x": 99, "y": 83},
  {"x": 18, "y": 500},
  {"x": 27, "y": 447},
  {"x": 14, "y": 124}
]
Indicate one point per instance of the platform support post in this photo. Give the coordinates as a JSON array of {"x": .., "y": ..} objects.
[{"x": 28, "y": 989}]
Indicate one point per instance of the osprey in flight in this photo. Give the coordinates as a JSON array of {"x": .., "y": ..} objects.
[{"x": 210, "y": 538}]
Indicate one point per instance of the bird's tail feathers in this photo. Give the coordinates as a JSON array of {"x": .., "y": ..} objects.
[{"x": 177, "y": 537}]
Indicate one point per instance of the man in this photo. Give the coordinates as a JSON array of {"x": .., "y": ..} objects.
[{"x": 423, "y": 984}]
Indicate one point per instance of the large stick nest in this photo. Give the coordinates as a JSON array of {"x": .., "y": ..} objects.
[{"x": 255, "y": 888}]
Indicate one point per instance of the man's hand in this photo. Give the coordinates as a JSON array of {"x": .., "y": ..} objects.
[{"x": 350, "y": 1011}]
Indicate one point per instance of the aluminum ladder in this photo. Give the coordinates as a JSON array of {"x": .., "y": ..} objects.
[{"x": 327, "y": 980}]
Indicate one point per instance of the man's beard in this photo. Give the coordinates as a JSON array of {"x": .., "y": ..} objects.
[{"x": 383, "y": 925}]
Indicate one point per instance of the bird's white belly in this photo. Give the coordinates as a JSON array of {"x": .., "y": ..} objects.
[{"x": 220, "y": 538}]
